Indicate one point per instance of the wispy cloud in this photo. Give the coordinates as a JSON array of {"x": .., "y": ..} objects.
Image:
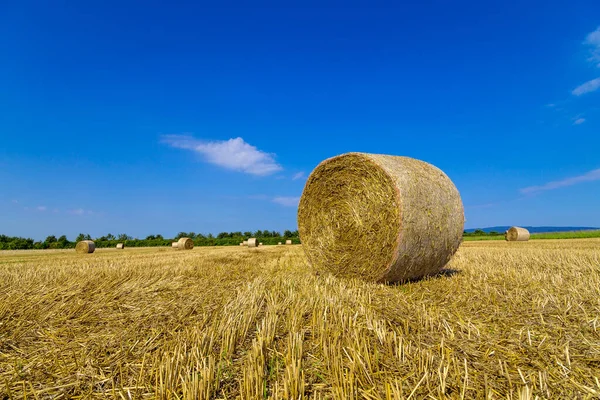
[
  {"x": 579, "y": 121},
  {"x": 41, "y": 208},
  {"x": 80, "y": 211},
  {"x": 593, "y": 175},
  {"x": 593, "y": 41},
  {"x": 299, "y": 175},
  {"x": 287, "y": 201},
  {"x": 589, "y": 86},
  {"x": 234, "y": 154}
]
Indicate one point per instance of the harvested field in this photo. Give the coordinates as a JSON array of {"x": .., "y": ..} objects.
[{"x": 503, "y": 320}]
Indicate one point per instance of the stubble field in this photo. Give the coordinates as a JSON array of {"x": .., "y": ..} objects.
[{"x": 504, "y": 320}]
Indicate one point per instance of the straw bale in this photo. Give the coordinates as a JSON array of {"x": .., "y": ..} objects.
[
  {"x": 289, "y": 241},
  {"x": 252, "y": 242},
  {"x": 379, "y": 218},
  {"x": 185, "y": 244},
  {"x": 517, "y": 234},
  {"x": 120, "y": 246},
  {"x": 174, "y": 245},
  {"x": 85, "y": 246}
]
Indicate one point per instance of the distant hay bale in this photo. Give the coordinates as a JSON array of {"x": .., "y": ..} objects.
[
  {"x": 241, "y": 244},
  {"x": 279, "y": 244},
  {"x": 252, "y": 242},
  {"x": 185, "y": 244},
  {"x": 245, "y": 243},
  {"x": 288, "y": 242},
  {"x": 85, "y": 246},
  {"x": 380, "y": 218},
  {"x": 120, "y": 246},
  {"x": 517, "y": 234},
  {"x": 260, "y": 244},
  {"x": 174, "y": 245}
]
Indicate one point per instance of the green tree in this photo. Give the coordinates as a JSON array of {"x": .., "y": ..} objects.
[
  {"x": 287, "y": 233},
  {"x": 50, "y": 239}
]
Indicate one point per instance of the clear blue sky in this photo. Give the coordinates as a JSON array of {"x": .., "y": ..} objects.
[{"x": 160, "y": 117}]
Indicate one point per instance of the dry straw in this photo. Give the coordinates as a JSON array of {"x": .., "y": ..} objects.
[
  {"x": 516, "y": 234},
  {"x": 120, "y": 246},
  {"x": 174, "y": 245},
  {"x": 379, "y": 217},
  {"x": 85, "y": 246},
  {"x": 185, "y": 244},
  {"x": 252, "y": 242},
  {"x": 288, "y": 241}
]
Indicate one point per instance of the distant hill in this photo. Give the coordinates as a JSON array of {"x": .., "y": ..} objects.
[{"x": 537, "y": 229}]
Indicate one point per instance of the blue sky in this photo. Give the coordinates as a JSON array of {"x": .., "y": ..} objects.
[{"x": 160, "y": 117}]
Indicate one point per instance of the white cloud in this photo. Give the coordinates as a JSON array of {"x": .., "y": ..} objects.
[
  {"x": 593, "y": 41},
  {"x": 234, "y": 154},
  {"x": 41, "y": 208},
  {"x": 589, "y": 86},
  {"x": 80, "y": 211},
  {"x": 287, "y": 201},
  {"x": 593, "y": 175},
  {"x": 579, "y": 121},
  {"x": 299, "y": 175}
]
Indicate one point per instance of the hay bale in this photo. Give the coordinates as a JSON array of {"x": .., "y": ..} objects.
[
  {"x": 380, "y": 218},
  {"x": 288, "y": 242},
  {"x": 85, "y": 247},
  {"x": 252, "y": 242},
  {"x": 279, "y": 243},
  {"x": 260, "y": 244},
  {"x": 185, "y": 244},
  {"x": 516, "y": 234},
  {"x": 241, "y": 244},
  {"x": 120, "y": 246},
  {"x": 245, "y": 243},
  {"x": 174, "y": 245}
]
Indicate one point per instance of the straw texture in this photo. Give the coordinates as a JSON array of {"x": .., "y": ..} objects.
[
  {"x": 380, "y": 218},
  {"x": 185, "y": 244},
  {"x": 85, "y": 246},
  {"x": 517, "y": 234}
]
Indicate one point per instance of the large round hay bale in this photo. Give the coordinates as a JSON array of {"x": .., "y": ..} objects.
[
  {"x": 174, "y": 245},
  {"x": 120, "y": 246},
  {"x": 380, "y": 218},
  {"x": 516, "y": 234},
  {"x": 85, "y": 246},
  {"x": 252, "y": 242},
  {"x": 288, "y": 242},
  {"x": 185, "y": 244}
]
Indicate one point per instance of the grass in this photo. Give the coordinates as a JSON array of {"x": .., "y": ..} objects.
[
  {"x": 549, "y": 235},
  {"x": 504, "y": 320}
]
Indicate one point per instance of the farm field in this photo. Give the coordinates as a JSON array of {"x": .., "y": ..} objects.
[{"x": 503, "y": 320}]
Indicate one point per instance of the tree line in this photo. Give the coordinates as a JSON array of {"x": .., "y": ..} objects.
[{"x": 267, "y": 237}]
